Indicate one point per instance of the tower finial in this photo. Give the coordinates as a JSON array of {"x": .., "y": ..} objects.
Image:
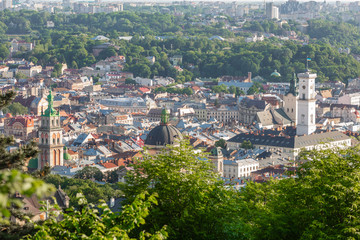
[{"x": 164, "y": 117}]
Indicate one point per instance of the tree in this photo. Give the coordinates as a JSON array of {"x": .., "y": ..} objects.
[
  {"x": 192, "y": 200},
  {"x": 16, "y": 109},
  {"x": 130, "y": 81},
  {"x": 255, "y": 88},
  {"x": 320, "y": 203},
  {"x": 90, "y": 173},
  {"x": 221, "y": 143},
  {"x": 20, "y": 76},
  {"x": 92, "y": 191},
  {"x": 87, "y": 222},
  {"x": 247, "y": 145}
]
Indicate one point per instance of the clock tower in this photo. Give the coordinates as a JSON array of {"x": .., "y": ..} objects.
[
  {"x": 50, "y": 137},
  {"x": 306, "y": 104}
]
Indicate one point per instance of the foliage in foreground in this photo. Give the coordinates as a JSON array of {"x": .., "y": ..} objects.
[
  {"x": 322, "y": 203},
  {"x": 88, "y": 222},
  {"x": 12, "y": 180},
  {"x": 192, "y": 202},
  {"x": 92, "y": 191}
]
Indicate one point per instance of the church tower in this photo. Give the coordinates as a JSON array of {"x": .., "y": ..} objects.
[
  {"x": 306, "y": 104},
  {"x": 290, "y": 102},
  {"x": 217, "y": 159},
  {"x": 50, "y": 137}
]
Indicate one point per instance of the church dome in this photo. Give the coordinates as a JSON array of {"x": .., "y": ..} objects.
[
  {"x": 275, "y": 74},
  {"x": 67, "y": 156},
  {"x": 164, "y": 134}
]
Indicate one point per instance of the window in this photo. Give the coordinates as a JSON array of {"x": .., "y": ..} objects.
[
  {"x": 303, "y": 97},
  {"x": 302, "y": 118}
]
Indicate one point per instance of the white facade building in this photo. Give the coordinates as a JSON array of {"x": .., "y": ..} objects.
[
  {"x": 128, "y": 105},
  {"x": 306, "y": 104},
  {"x": 240, "y": 168}
]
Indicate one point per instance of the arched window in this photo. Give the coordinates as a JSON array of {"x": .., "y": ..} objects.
[
  {"x": 54, "y": 158},
  {"x": 58, "y": 138},
  {"x": 58, "y": 157}
]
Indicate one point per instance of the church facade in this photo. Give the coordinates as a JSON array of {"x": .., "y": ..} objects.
[{"x": 50, "y": 137}]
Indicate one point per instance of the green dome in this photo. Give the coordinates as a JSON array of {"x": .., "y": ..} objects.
[
  {"x": 67, "y": 156},
  {"x": 276, "y": 74}
]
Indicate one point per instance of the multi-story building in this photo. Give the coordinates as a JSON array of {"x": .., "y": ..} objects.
[
  {"x": 240, "y": 168},
  {"x": 50, "y": 137},
  {"x": 223, "y": 114},
  {"x": 29, "y": 71},
  {"x": 19, "y": 45},
  {"x": 21, "y": 127},
  {"x": 248, "y": 109},
  {"x": 126, "y": 105}
]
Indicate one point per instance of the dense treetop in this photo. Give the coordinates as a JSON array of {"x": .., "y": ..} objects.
[{"x": 70, "y": 42}]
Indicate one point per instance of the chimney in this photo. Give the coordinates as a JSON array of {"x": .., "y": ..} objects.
[{"x": 249, "y": 77}]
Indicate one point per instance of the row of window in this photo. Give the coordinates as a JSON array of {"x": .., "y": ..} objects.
[
  {"x": 252, "y": 168},
  {"x": 53, "y": 122},
  {"x": 56, "y": 138}
]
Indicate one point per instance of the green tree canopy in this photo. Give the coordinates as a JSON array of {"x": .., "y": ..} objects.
[
  {"x": 16, "y": 109},
  {"x": 192, "y": 200}
]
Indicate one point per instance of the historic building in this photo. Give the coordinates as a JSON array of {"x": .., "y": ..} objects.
[
  {"x": 50, "y": 137},
  {"x": 217, "y": 158},
  {"x": 290, "y": 101},
  {"x": 163, "y": 135},
  {"x": 291, "y": 140},
  {"x": 21, "y": 127},
  {"x": 306, "y": 104}
]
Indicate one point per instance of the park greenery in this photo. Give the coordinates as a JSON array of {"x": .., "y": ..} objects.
[{"x": 70, "y": 42}]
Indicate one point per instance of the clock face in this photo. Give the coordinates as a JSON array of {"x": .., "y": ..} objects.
[{"x": 304, "y": 87}]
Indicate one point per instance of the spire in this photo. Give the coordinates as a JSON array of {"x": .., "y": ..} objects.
[
  {"x": 164, "y": 117},
  {"x": 292, "y": 88},
  {"x": 50, "y": 111}
]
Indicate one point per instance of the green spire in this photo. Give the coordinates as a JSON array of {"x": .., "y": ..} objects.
[
  {"x": 164, "y": 117},
  {"x": 50, "y": 111}
]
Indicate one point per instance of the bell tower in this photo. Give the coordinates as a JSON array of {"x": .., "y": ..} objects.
[
  {"x": 216, "y": 157},
  {"x": 50, "y": 137},
  {"x": 290, "y": 101},
  {"x": 306, "y": 104}
]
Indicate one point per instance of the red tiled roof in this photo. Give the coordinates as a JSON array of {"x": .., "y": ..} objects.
[
  {"x": 109, "y": 165},
  {"x": 25, "y": 121}
]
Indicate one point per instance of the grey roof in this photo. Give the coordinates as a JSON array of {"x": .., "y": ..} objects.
[
  {"x": 289, "y": 141},
  {"x": 248, "y": 103}
]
